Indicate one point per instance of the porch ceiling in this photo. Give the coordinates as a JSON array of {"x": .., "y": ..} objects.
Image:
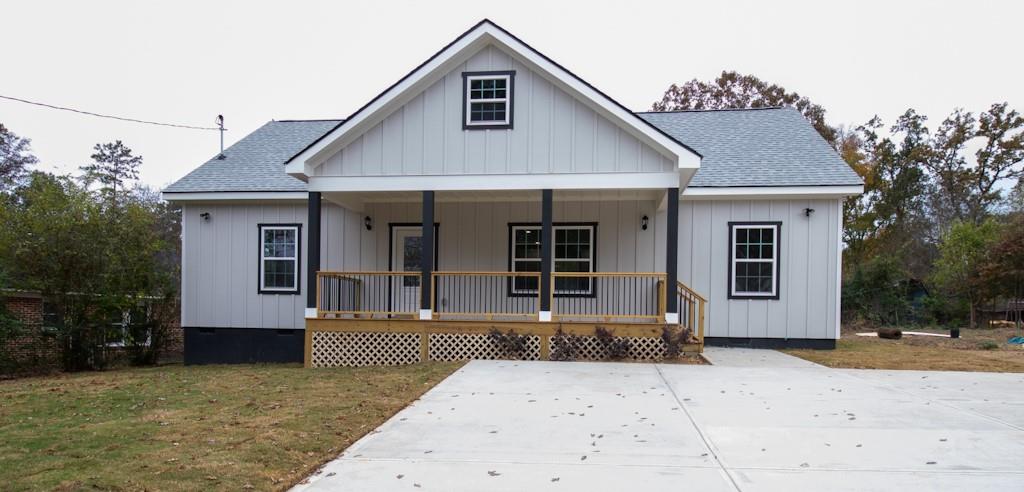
[{"x": 355, "y": 200}]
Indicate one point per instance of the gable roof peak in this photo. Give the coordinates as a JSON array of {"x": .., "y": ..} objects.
[{"x": 301, "y": 164}]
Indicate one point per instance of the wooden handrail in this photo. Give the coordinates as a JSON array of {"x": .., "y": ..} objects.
[
  {"x": 650, "y": 308},
  {"x": 607, "y": 274},
  {"x": 487, "y": 295},
  {"x": 683, "y": 287},
  {"x": 329, "y": 273},
  {"x": 604, "y": 312},
  {"x": 489, "y": 274},
  {"x": 381, "y": 298},
  {"x": 696, "y": 318}
]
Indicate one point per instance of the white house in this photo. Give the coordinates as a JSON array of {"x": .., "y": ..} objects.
[{"x": 491, "y": 188}]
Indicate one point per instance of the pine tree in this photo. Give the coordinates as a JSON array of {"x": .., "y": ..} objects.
[{"x": 113, "y": 167}]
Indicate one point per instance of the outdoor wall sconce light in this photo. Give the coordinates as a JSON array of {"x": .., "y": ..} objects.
[
  {"x": 368, "y": 222},
  {"x": 643, "y": 222},
  {"x": 205, "y": 216},
  {"x": 808, "y": 212}
]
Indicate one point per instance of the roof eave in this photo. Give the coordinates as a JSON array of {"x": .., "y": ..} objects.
[{"x": 770, "y": 192}]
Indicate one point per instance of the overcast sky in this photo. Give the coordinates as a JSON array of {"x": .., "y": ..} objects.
[{"x": 186, "y": 61}]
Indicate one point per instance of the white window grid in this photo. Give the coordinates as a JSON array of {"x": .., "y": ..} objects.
[
  {"x": 505, "y": 100},
  {"x": 294, "y": 258},
  {"x": 774, "y": 260}
]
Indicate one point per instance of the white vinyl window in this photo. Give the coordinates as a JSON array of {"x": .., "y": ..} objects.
[
  {"x": 279, "y": 259},
  {"x": 572, "y": 251},
  {"x": 488, "y": 100},
  {"x": 754, "y": 260}
]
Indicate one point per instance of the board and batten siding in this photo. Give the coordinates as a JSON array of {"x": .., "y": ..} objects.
[
  {"x": 473, "y": 236},
  {"x": 809, "y": 256},
  {"x": 552, "y": 132},
  {"x": 220, "y": 263}
]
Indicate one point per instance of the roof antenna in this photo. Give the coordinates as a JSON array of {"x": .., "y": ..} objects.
[{"x": 219, "y": 120}]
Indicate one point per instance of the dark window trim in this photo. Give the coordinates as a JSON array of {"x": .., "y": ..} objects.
[
  {"x": 778, "y": 260},
  {"x": 511, "y": 98},
  {"x": 298, "y": 260},
  {"x": 391, "y": 249},
  {"x": 593, "y": 263}
]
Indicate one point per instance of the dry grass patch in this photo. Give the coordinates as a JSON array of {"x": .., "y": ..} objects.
[
  {"x": 262, "y": 427},
  {"x": 967, "y": 353}
]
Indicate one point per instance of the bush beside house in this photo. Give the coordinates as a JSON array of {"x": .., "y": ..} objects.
[
  {"x": 30, "y": 342},
  {"x": 88, "y": 263}
]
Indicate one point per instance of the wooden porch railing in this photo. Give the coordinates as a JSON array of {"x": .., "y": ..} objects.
[
  {"x": 632, "y": 297},
  {"x": 608, "y": 296},
  {"x": 691, "y": 310},
  {"x": 366, "y": 294},
  {"x": 486, "y": 295}
]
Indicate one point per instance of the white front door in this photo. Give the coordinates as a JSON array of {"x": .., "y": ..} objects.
[{"x": 406, "y": 256}]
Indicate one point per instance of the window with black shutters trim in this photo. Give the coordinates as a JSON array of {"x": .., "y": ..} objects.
[{"x": 754, "y": 260}]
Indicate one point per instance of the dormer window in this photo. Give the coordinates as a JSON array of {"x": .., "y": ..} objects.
[{"x": 488, "y": 103}]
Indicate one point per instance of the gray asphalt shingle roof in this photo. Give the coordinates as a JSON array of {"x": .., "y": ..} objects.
[
  {"x": 756, "y": 147},
  {"x": 750, "y": 147},
  {"x": 256, "y": 162}
]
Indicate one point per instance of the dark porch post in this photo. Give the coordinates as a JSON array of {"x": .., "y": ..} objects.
[
  {"x": 672, "y": 256},
  {"x": 313, "y": 255},
  {"x": 428, "y": 255},
  {"x": 547, "y": 239}
]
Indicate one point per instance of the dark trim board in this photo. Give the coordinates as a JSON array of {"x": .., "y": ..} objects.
[
  {"x": 540, "y": 225},
  {"x": 391, "y": 249},
  {"x": 298, "y": 259},
  {"x": 511, "y": 74},
  {"x": 772, "y": 343},
  {"x": 243, "y": 345},
  {"x": 391, "y": 240},
  {"x": 778, "y": 260}
]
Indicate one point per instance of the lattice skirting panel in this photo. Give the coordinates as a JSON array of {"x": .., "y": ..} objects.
[
  {"x": 640, "y": 348},
  {"x": 466, "y": 346},
  {"x": 347, "y": 349}
]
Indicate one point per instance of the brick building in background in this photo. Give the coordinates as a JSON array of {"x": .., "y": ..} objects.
[{"x": 37, "y": 348}]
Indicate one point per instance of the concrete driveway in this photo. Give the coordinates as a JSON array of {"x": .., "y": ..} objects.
[{"x": 778, "y": 425}]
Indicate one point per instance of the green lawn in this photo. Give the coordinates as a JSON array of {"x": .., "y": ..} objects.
[
  {"x": 261, "y": 427},
  {"x": 979, "y": 349}
]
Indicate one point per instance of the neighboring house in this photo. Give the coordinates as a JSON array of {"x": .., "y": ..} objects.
[
  {"x": 36, "y": 348},
  {"x": 459, "y": 172}
]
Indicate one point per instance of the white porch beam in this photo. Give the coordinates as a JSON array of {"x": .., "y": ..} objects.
[{"x": 485, "y": 182}]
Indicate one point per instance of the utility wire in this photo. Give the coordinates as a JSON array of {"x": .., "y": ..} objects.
[{"x": 132, "y": 120}]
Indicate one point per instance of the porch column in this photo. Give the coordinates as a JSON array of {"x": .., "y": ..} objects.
[
  {"x": 672, "y": 256},
  {"x": 428, "y": 255},
  {"x": 313, "y": 251},
  {"x": 547, "y": 238}
]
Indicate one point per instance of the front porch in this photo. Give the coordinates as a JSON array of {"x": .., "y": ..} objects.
[
  {"x": 360, "y": 322},
  {"x": 553, "y": 288}
]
